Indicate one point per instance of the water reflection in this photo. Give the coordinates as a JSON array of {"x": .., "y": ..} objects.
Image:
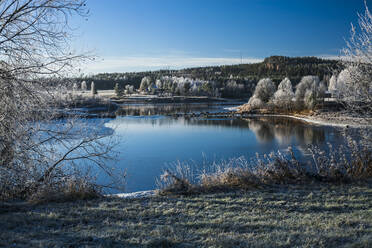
[
  {"x": 266, "y": 129},
  {"x": 153, "y": 141},
  {"x": 170, "y": 109},
  {"x": 284, "y": 129}
]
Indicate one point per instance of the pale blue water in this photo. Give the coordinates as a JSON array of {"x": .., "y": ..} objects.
[{"x": 148, "y": 144}]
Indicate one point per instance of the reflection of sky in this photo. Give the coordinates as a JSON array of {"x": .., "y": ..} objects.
[{"x": 148, "y": 144}]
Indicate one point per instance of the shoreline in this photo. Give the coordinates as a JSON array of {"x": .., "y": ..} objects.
[
  {"x": 308, "y": 119},
  {"x": 335, "y": 119}
]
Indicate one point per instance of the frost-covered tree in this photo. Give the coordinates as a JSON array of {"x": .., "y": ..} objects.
[
  {"x": 255, "y": 103},
  {"x": 118, "y": 90},
  {"x": 159, "y": 84},
  {"x": 207, "y": 88},
  {"x": 332, "y": 87},
  {"x": 38, "y": 154},
  {"x": 75, "y": 87},
  {"x": 129, "y": 88},
  {"x": 306, "y": 83},
  {"x": 264, "y": 90},
  {"x": 83, "y": 86},
  {"x": 145, "y": 83},
  {"x": 357, "y": 95},
  {"x": 93, "y": 89},
  {"x": 186, "y": 87},
  {"x": 309, "y": 91},
  {"x": 283, "y": 96}
]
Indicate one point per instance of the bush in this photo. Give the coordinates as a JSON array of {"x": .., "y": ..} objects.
[{"x": 71, "y": 190}]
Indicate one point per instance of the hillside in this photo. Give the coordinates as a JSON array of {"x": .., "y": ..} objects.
[{"x": 245, "y": 75}]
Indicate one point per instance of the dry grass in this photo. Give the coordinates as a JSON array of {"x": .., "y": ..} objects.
[
  {"x": 72, "y": 190},
  {"x": 344, "y": 164},
  {"x": 317, "y": 215}
]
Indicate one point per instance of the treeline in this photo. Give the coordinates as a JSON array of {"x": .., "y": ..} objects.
[
  {"x": 245, "y": 76},
  {"x": 274, "y": 67}
]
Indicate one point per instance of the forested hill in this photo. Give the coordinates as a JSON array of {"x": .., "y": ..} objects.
[{"x": 275, "y": 67}]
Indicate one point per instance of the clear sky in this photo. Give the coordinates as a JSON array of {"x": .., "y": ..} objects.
[{"x": 136, "y": 35}]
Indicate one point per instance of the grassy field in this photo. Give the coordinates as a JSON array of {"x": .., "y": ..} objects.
[{"x": 283, "y": 216}]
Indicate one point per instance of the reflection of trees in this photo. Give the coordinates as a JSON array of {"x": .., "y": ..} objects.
[
  {"x": 282, "y": 133},
  {"x": 168, "y": 121},
  {"x": 265, "y": 128},
  {"x": 283, "y": 129},
  {"x": 164, "y": 109},
  {"x": 307, "y": 135}
]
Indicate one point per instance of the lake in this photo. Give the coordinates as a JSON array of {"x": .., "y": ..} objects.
[{"x": 149, "y": 140}]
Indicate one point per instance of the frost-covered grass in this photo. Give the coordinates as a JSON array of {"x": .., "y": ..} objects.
[
  {"x": 347, "y": 163},
  {"x": 317, "y": 215}
]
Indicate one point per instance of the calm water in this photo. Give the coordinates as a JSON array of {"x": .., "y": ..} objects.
[{"x": 150, "y": 141}]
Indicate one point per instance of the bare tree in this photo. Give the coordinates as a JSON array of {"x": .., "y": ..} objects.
[
  {"x": 35, "y": 150},
  {"x": 357, "y": 95}
]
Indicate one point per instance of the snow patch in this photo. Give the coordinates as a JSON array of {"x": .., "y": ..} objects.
[
  {"x": 232, "y": 108},
  {"x": 138, "y": 194}
]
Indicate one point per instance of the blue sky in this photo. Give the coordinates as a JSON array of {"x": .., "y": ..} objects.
[{"x": 136, "y": 35}]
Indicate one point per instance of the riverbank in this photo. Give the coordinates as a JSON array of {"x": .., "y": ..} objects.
[
  {"x": 284, "y": 216},
  {"x": 153, "y": 99},
  {"x": 103, "y": 107},
  {"x": 320, "y": 117}
]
